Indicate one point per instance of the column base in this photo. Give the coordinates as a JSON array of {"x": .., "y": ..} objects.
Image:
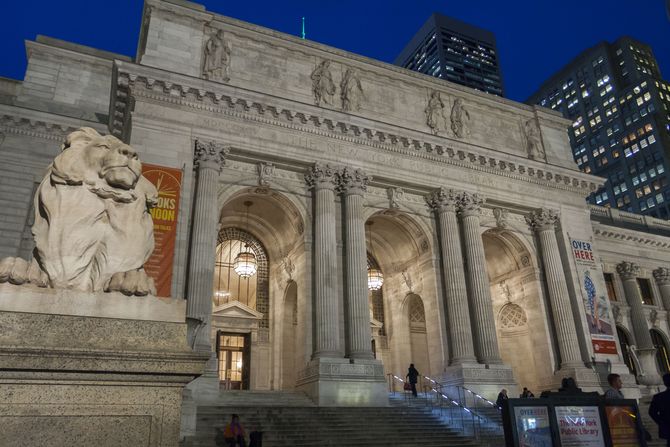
[
  {"x": 648, "y": 372},
  {"x": 487, "y": 381},
  {"x": 586, "y": 378},
  {"x": 338, "y": 382}
]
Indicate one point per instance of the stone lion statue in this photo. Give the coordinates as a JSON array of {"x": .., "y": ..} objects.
[{"x": 93, "y": 230}]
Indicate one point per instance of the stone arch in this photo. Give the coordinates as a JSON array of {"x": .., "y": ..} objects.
[
  {"x": 403, "y": 249},
  {"x": 518, "y": 307},
  {"x": 416, "y": 318},
  {"x": 289, "y": 345},
  {"x": 660, "y": 342}
]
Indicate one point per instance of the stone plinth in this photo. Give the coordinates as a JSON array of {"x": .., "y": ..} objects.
[
  {"x": 486, "y": 381},
  {"x": 337, "y": 382},
  {"x": 81, "y": 369}
]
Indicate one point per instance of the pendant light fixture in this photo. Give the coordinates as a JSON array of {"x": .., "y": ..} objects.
[
  {"x": 375, "y": 276},
  {"x": 245, "y": 264}
]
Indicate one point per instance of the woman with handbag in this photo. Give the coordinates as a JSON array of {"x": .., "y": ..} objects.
[{"x": 413, "y": 377}]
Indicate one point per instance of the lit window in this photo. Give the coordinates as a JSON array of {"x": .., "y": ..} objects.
[
  {"x": 652, "y": 139},
  {"x": 648, "y": 128},
  {"x": 647, "y": 96},
  {"x": 639, "y": 101}
]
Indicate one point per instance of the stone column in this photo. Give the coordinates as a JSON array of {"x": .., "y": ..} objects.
[
  {"x": 662, "y": 277},
  {"x": 209, "y": 159},
  {"x": 543, "y": 221},
  {"x": 486, "y": 341},
  {"x": 644, "y": 346},
  {"x": 322, "y": 178},
  {"x": 353, "y": 184},
  {"x": 443, "y": 202}
]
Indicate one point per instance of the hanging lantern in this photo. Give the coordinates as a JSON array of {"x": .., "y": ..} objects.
[
  {"x": 375, "y": 278},
  {"x": 245, "y": 263}
]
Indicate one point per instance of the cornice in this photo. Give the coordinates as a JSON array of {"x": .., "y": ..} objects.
[
  {"x": 618, "y": 235},
  {"x": 36, "y": 128},
  {"x": 133, "y": 81}
]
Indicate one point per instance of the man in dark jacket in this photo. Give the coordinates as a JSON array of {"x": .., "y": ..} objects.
[
  {"x": 659, "y": 410},
  {"x": 413, "y": 376}
]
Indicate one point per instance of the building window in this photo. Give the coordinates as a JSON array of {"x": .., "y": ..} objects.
[
  {"x": 609, "y": 282},
  {"x": 662, "y": 359},
  {"x": 645, "y": 291}
]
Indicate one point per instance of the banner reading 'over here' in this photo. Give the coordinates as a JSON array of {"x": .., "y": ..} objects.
[{"x": 168, "y": 183}]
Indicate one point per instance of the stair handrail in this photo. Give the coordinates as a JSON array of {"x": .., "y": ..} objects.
[{"x": 482, "y": 398}]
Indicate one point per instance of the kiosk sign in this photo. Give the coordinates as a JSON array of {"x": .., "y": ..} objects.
[
  {"x": 579, "y": 426},
  {"x": 532, "y": 426}
]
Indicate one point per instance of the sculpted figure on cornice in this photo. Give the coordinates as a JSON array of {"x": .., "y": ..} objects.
[
  {"x": 395, "y": 195},
  {"x": 93, "y": 230},
  {"x": 459, "y": 119},
  {"x": 501, "y": 216},
  {"x": 323, "y": 86},
  {"x": 534, "y": 140},
  {"x": 435, "y": 113},
  {"x": 351, "y": 90},
  {"x": 217, "y": 58}
]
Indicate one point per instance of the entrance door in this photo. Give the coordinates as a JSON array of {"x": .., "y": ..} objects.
[{"x": 233, "y": 353}]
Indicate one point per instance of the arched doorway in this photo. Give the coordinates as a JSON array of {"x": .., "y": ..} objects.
[
  {"x": 289, "y": 325},
  {"x": 662, "y": 359},
  {"x": 523, "y": 337},
  {"x": 624, "y": 342},
  {"x": 416, "y": 316}
]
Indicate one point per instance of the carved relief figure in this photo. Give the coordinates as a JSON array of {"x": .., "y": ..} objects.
[
  {"x": 351, "y": 90},
  {"x": 534, "y": 141},
  {"x": 435, "y": 112},
  {"x": 93, "y": 230},
  {"x": 323, "y": 86},
  {"x": 459, "y": 118},
  {"x": 217, "y": 58},
  {"x": 500, "y": 215}
]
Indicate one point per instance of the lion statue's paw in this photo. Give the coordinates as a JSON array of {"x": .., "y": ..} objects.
[
  {"x": 18, "y": 271},
  {"x": 133, "y": 282}
]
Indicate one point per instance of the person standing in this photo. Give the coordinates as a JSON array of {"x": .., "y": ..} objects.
[
  {"x": 526, "y": 394},
  {"x": 234, "y": 433},
  {"x": 659, "y": 410},
  {"x": 614, "y": 391},
  {"x": 502, "y": 398},
  {"x": 412, "y": 377}
]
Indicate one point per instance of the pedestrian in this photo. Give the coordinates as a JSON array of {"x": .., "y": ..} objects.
[
  {"x": 659, "y": 410},
  {"x": 502, "y": 398},
  {"x": 234, "y": 433},
  {"x": 614, "y": 391},
  {"x": 413, "y": 377},
  {"x": 526, "y": 394}
]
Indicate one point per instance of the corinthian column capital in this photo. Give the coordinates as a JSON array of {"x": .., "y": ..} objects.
[
  {"x": 628, "y": 270},
  {"x": 209, "y": 154},
  {"x": 353, "y": 181},
  {"x": 469, "y": 203},
  {"x": 442, "y": 199},
  {"x": 321, "y": 176},
  {"x": 662, "y": 275},
  {"x": 542, "y": 219}
]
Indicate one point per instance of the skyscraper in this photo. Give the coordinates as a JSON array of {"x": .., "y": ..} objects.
[
  {"x": 618, "y": 104},
  {"x": 456, "y": 51}
]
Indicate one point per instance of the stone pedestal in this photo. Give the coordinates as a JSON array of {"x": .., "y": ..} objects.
[
  {"x": 82, "y": 369},
  {"x": 336, "y": 382},
  {"x": 486, "y": 381}
]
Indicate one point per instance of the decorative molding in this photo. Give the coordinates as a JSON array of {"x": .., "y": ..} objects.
[
  {"x": 352, "y": 181},
  {"x": 662, "y": 275},
  {"x": 443, "y": 199},
  {"x": 17, "y": 125},
  {"x": 446, "y": 151},
  {"x": 265, "y": 172},
  {"x": 322, "y": 176},
  {"x": 469, "y": 204},
  {"x": 501, "y": 215},
  {"x": 210, "y": 153},
  {"x": 543, "y": 219},
  {"x": 619, "y": 235},
  {"x": 628, "y": 270}
]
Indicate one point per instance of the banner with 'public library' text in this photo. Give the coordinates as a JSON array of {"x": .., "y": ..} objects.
[
  {"x": 594, "y": 296},
  {"x": 168, "y": 183}
]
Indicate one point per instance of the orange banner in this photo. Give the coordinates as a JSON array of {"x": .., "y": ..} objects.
[{"x": 168, "y": 183}]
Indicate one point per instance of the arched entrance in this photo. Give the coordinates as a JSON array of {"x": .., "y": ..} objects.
[
  {"x": 520, "y": 320},
  {"x": 416, "y": 317},
  {"x": 254, "y": 322},
  {"x": 662, "y": 359}
]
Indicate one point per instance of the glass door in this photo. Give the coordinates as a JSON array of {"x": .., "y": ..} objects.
[{"x": 233, "y": 355}]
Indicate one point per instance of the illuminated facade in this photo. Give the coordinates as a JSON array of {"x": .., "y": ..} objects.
[
  {"x": 458, "y": 52},
  {"x": 619, "y": 106}
]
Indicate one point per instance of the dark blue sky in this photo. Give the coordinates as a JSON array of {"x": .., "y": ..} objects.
[{"x": 535, "y": 38}]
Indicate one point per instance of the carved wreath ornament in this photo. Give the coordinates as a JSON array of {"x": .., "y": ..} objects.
[{"x": 93, "y": 231}]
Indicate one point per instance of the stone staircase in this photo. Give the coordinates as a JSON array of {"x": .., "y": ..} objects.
[
  {"x": 291, "y": 419},
  {"x": 649, "y": 423}
]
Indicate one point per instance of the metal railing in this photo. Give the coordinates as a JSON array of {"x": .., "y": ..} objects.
[{"x": 463, "y": 408}]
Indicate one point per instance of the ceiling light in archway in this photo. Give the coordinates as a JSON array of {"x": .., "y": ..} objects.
[
  {"x": 245, "y": 263},
  {"x": 375, "y": 275}
]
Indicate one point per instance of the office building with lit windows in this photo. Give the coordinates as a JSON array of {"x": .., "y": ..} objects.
[
  {"x": 619, "y": 106},
  {"x": 456, "y": 51}
]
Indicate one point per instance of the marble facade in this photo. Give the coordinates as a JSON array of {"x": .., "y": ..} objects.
[{"x": 474, "y": 199}]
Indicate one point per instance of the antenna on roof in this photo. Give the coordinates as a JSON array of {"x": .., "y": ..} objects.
[{"x": 303, "y": 28}]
